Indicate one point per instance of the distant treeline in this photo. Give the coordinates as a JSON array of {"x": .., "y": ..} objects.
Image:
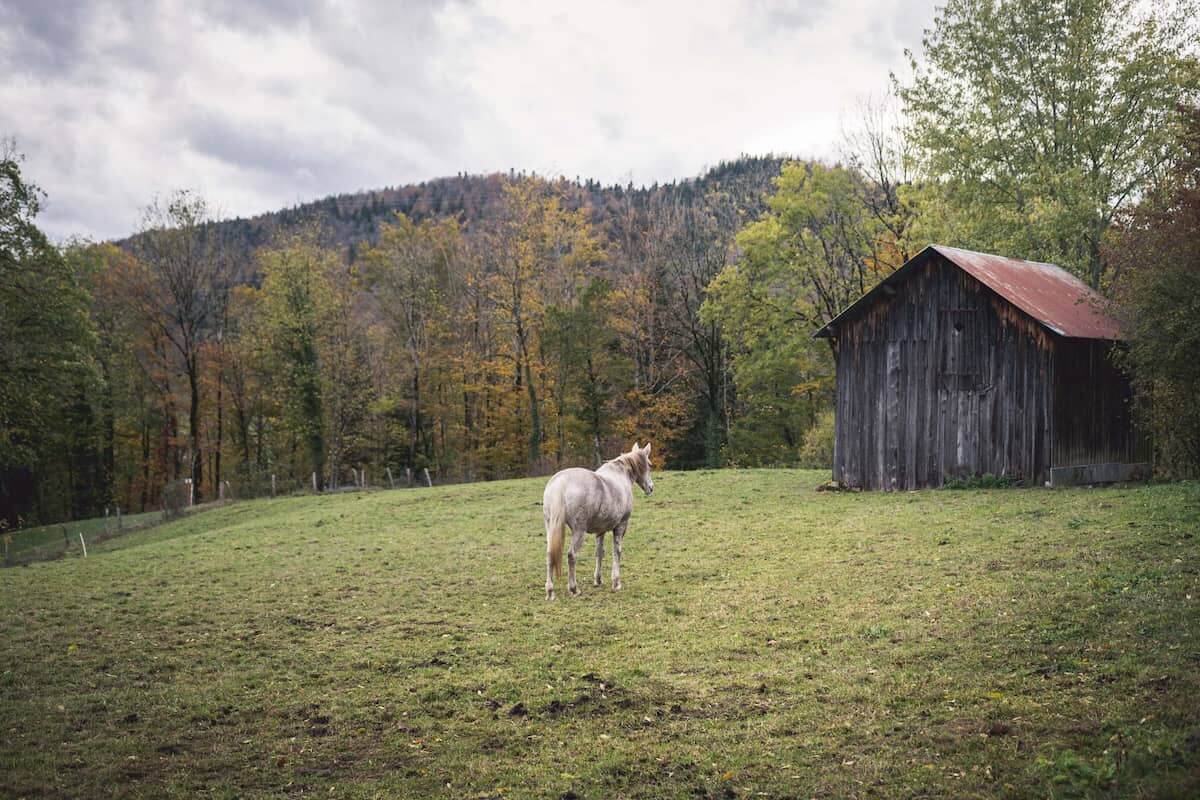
[{"x": 504, "y": 325}]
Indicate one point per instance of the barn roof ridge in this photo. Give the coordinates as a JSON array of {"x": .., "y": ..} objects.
[{"x": 1047, "y": 293}]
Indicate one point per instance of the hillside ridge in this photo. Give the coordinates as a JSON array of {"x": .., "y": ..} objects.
[{"x": 351, "y": 219}]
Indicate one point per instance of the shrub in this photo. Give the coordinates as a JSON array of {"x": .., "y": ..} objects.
[
  {"x": 817, "y": 450},
  {"x": 986, "y": 481}
]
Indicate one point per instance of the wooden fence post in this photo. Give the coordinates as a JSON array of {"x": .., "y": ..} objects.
[
  {"x": 391, "y": 482},
  {"x": 119, "y": 523},
  {"x": 314, "y": 483},
  {"x": 408, "y": 475},
  {"x": 428, "y": 482},
  {"x": 83, "y": 544},
  {"x": 272, "y": 484}
]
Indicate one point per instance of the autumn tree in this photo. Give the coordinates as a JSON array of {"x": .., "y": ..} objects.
[
  {"x": 412, "y": 271},
  {"x": 1157, "y": 252},
  {"x": 540, "y": 250},
  {"x": 246, "y": 376}
]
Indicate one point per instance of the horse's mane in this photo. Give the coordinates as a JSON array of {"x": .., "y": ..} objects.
[{"x": 631, "y": 462}]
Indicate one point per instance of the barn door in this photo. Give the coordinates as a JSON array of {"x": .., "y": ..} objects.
[{"x": 958, "y": 390}]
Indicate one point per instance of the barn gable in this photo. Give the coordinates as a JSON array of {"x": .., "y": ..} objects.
[
  {"x": 1046, "y": 293},
  {"x": 947, "y": 370}
]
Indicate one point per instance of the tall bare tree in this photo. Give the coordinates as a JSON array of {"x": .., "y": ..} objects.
[
  {"x": 876, "y": 146},
  {"x": 185, "y": 270}
]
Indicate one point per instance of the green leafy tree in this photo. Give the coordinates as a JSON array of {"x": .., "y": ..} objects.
[
  {"x": 119, "y": 393},
  {"x": 46, "y": 368},
  {"x": 589, "y": 370},
  {"x": 819, "y": 247},
  {"x": 1037, "y": 121},
  {"x": 297, "y": 303}
]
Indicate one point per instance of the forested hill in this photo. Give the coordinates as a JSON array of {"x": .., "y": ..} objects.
[
  {"x": 493, "y": 326},
  {"x": 350, "y": 220}
]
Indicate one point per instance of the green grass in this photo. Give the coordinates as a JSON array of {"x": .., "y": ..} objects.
[
  {"x": 769, "y": 641},
  {"x": 50, "y": 537}
]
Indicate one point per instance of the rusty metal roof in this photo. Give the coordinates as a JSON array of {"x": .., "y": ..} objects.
[{"x": 1048, "y": 293}]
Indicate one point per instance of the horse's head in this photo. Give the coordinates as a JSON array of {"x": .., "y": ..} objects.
[{"x": 641, "y": 464}]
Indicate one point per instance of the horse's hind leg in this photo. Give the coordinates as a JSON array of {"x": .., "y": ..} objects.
[
  {"x": 576, "y": 544},
  {"x": 618, "y": 537},
  {"x": 599, "y": 558}
]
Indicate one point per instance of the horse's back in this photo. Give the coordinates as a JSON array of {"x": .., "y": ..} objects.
[
  {"x": 570, "y": 474},
  {"x": 586, "y": 499}
]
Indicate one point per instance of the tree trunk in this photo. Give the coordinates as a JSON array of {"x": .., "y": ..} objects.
[
  {"x": 535, "y": 417},
  {"x": 594, "y": 409},
  {"x": 414, "y": 435},
  {"x": 108, "y": 490},
  {"x": 173, "y": 463},
  {"x": 194, "y": 430},
  {"x": 144, "y": 496},
  {"x": 220, "y": 427},
  {"x": 714, "y": 422},
  {"x": 242, "y": 421}
]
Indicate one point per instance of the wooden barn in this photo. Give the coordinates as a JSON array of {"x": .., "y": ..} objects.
[{"x": 964, "y": 364}]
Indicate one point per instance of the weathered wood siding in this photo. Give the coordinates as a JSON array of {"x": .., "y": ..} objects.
[
  {"x": 1093, "y": 412},
  {"x": 941, "y": 379}
]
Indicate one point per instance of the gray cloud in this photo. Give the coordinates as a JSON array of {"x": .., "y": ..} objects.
[
  {"x": 783, "y": 16},
  {"x": 255, "y": 15},
  {"x": 41, "y": 37},
  {"x": 259, "y": 104}
]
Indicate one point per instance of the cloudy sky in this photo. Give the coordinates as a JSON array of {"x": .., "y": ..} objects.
[{"x": 259, "y": 104}]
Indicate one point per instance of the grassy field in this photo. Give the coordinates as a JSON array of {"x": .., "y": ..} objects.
[
  {"x": 50, "y": 537},
  {"x": 770, "y": 641}
]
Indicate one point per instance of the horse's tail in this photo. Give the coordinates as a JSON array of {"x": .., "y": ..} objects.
[{"x": 554, "y": 514}]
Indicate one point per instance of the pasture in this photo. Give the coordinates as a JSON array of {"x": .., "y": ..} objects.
[
  {"x": 770, "y": 641},
  {"x": 48, "y": 541}
]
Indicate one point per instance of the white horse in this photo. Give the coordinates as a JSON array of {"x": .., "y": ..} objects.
[{"x": 592, "y": 502}]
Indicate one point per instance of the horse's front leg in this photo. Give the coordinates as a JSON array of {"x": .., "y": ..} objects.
[
  {"x": 618, "y": 537},
  {"x": 576, "y": 544},
  {"x": 599, "y": 558}
]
